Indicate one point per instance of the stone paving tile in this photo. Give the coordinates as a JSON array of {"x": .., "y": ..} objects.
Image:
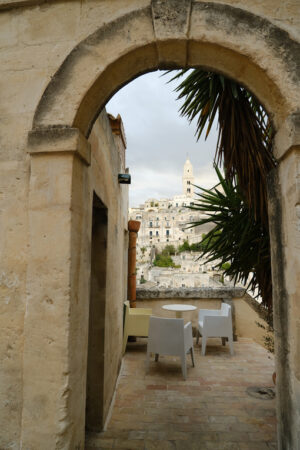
[
  {"x": 223, "y": 446},
  {"x": 130, "y": 444},
  {"x": 210, "y": 410},
  {"x": 162, "y": 445},
  {"x": 254, "y": 446}
]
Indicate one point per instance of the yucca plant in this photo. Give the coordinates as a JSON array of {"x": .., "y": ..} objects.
[
  {"x": 237, "y": 237},
  {"x": 244, "y": 149}
]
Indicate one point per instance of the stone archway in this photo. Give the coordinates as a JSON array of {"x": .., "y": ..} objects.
[
  {"x": 169, "y": 34},
  {"x": 172, "y": 34}
]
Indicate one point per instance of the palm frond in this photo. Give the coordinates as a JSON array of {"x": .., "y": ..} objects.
[
  {"x": 237, "y": 237},
  {"x": 244, "y": 149}
]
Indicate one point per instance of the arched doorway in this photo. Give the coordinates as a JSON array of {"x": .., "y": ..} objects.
[{"x": 171, "y": 34}]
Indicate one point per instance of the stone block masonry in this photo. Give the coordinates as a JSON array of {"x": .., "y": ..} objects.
[{"x": 60, "y": 63}]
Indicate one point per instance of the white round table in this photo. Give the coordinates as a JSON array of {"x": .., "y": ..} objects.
[{"x": 179, "y": 309}]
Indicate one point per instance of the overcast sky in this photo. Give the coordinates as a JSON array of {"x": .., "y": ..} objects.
[{"x": 158, "y": 139}]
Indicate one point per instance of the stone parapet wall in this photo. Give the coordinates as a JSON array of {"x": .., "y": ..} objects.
[
  {"x": 189, "y": 293},
  {"x": 157, "y": 303},
  {"x": 245, "y": 316}
]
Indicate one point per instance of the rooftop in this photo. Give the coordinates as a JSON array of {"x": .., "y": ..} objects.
[{"x": 212, "y": 409}]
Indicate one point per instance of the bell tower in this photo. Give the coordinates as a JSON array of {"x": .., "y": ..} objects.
[{"x": 188, "y": 178}]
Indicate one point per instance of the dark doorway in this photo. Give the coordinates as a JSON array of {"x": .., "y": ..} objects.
[{"x": 95, "y": 363}]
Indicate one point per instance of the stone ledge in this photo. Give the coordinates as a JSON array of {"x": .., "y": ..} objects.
[
  {"x": 59, "y": 139},
  {"x": 288, "y": 136},
  {"x": 188, "y": 293},
  {"x": 10, "y": 4}
]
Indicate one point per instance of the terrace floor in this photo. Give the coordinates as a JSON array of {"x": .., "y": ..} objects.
[{"x": 210, "y": 410}]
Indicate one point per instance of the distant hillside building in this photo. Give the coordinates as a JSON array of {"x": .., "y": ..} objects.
[{"x": 165, "y": 221}]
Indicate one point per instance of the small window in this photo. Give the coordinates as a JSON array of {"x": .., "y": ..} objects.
[
  {"x": 189, "y": 182},
  {"x": 167, "y": 232},
  {"x": 156, "y": 233},
  {"x": 150, "y": 224},
  {"x": 150, "y": 234},
  {"x": 188, "y": 190}
]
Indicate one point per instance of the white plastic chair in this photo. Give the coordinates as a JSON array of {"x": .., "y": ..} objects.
[
  {"x": 215, "y": 323},
  {"x": 136, "y": 322},
  {"x": 170, "y": 337}
]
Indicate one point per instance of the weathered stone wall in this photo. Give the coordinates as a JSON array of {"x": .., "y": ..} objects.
[
  {"x": 107, "y": 165},
  {"x": 60, "y": 62},
  {"x": 34, "y": 44},
  {"x": 245, "y": 316},
  {"x": 157, "y": 303},
  {"x": 284, "y": 200},
  {"x": 246, "y": 319},
  {"x": 56, "y": 329}
]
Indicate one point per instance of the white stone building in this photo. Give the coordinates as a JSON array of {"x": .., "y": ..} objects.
[
  {"x": 191, "y": 271},
  {"x": 166, "y": 221}
]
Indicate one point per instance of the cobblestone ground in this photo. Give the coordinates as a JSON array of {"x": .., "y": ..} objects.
[{"x": 210, "y": 410}]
